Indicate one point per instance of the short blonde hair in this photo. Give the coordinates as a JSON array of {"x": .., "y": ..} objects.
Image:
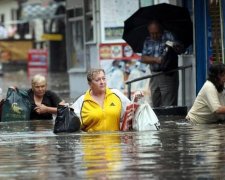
[
  {"x": 92, "y": 72},
  {"x": 38, "y": 78}
]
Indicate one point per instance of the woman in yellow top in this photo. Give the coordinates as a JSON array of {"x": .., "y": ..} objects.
[{"x": 100, "y": 108}]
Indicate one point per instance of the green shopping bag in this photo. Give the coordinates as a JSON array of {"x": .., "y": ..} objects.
[{"x": 17, "y": 106}]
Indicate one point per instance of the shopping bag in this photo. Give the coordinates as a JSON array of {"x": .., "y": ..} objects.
[
  {"x": 66, "y": 120},
  {"x": 145, "y": 119},
  {"x": 16, "y": 106},
  {"x": 1, "y": 106},
  {"x": 126, "y": 124},
  {"x": 169, "y": 58}
]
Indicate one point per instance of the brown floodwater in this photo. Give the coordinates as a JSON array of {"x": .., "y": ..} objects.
[{"x": 30, "y": 150}]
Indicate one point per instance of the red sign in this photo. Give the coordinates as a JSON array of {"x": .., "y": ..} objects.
[
  {"x": 37, "y": 62},
  {"x": 117, "y": 51}
]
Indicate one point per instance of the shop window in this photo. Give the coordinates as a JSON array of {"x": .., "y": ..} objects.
[
  {"x": 215, "y": 30},
  {"x": 14, "y": 13},
  {"x": 76, "y": 37},
  {"x": 144, "y": 3},
  {"x": 78, "y": 12},
  {"x": 89, "y": 25},
  {"x": 76, "y": 48},
  {"x": 113, "y": 14},
  {"x": 23, "y": 29},
  {"x": 223, "y": 27},
  {"x": 188, "y": 5},
  {"x": 2, "y": 18},
  {"x": 70, "y": 13}
]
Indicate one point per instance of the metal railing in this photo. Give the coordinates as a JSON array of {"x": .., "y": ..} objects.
[{"x": 182, "y": 68}]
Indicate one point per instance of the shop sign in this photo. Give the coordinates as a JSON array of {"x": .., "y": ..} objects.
[
  {"x": 37, "y": 62},
  {"x": 117, "y": 51},
  {"x": 52, "y": 37}
]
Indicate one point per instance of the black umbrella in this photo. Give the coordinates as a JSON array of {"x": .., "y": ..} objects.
[{"x": 175, "y": 19}]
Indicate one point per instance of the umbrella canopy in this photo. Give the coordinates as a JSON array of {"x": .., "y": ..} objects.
[{"x": 173, "y": 18}]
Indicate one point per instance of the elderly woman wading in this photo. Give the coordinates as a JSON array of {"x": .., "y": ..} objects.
[
  {"x": 100, "y": 108},
  {"x": 44, "y": 102}
]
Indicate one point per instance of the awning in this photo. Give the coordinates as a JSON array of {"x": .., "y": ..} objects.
[{"x": 36, "y": 10}]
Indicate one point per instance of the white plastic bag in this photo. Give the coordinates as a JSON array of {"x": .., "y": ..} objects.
[{"x": 145, "y": 119}]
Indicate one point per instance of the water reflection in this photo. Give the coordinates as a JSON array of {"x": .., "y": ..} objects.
[
  {"x": 101, "y": 154},
  {"x": 30, "y": 150}
]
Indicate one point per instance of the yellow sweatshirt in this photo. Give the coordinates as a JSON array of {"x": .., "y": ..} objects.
[{"x": 96, "y": 118}]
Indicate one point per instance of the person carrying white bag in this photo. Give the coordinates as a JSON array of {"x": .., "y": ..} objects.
[{"x": 144, "y": 118}]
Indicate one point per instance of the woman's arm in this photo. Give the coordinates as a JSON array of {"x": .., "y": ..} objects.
[
  {"x": 51, "y": 107},
  {"x": 41, "y": 109},
  {"x": 212, "y": 98},
  {"x": 220, "y": 110}
]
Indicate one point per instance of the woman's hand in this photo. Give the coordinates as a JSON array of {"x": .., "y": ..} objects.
[
  {"x": 137, "y": 96},
  {"x": 130, "y": 115},
  {"x": 130, "y": 110},
  {"x": 40, "y": 109}
]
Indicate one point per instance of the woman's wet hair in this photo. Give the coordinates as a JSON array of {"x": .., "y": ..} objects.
[
  {"x": 92, "y": 72},
  {"x": 215, "y": 70},
  {"x": 38, "y": 78}
]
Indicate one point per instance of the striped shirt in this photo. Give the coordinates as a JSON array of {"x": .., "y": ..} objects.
[{"x": 156, "y": 48}]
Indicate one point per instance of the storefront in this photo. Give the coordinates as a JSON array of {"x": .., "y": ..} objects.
[
  {"x": 94, "y": 39},
  {"x": 209, "y": 37},
  {"x": 44, "y": 21}
]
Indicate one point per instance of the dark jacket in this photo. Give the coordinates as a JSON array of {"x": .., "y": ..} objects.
[{"x": 50, "y": 99}]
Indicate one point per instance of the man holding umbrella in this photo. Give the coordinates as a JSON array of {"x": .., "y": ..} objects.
[
  {"x": 164, "y": 88},
  {"x": 155, "y": 31}
]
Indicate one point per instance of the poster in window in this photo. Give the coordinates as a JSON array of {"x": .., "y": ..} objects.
[{"x": 113, "y": 15}]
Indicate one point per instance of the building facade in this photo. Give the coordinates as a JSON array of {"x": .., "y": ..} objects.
[
  {"x": 94, "y": 25},
  {"x": 41, "y": 23},
  {"x": 209, "y": 36}
]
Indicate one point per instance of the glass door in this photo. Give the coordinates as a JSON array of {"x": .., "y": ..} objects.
[{"x": 76, "y": 38}]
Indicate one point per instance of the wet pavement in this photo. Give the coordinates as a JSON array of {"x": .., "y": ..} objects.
[{"x": 30, "y": 149}]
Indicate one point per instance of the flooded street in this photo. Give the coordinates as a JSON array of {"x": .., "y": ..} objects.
[{"x": 30, "y": 150}]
